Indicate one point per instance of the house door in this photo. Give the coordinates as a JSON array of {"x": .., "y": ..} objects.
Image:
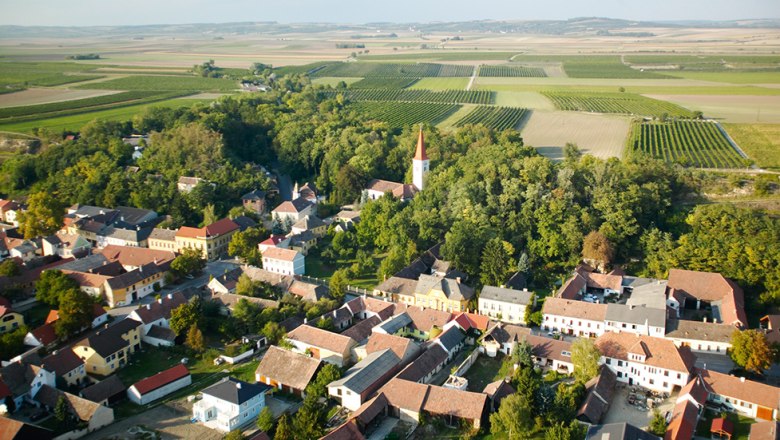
[
  {"x": 630, "y": 381},
  {"x": 764, "y": 413}
]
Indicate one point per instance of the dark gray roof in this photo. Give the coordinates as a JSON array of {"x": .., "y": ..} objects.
[
  {"x": 651, "y": 294},
  {"x": 453, "y": 289},
  {"x": 517, "y": 281},
  {"x": 451, "y": 338},
  {"x": 367, "y": 372},
  {"x": 85, "y": 264},
  {"x": 309, "y": 222},
  {"x": 506, "y": 295},
  {"x": 134, "y": 276},
  {"x": 134, "y": 235},
  {"x": 363, "y": 329},
  {"x": 235, "y": 391},
  {"x": 104, "y": 389},
  {"x": 109, "y": 341},
  {"x": 90, "y": 211},
  {"x": 636, "y": 315},
  {"x": 163, "y": 234},
  {"x": 254, "y": 195},
  {"x": 303, "y": 237},
  {"x": 162, "y": 333},
  {"x": 698, "y": 330},
  {"x": 135, "y": 216},
  {"x": 425, "y": 364},
  {"x": 244, "y": 222},
  {"x": 395, "y": 323},
  {"x": 618, "y": 431}
]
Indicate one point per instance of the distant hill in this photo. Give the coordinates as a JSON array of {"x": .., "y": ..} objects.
[{"x": 606, "y": 26}]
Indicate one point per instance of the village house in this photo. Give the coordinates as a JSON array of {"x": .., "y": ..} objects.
[
  {"x": 230, "y": 404},
  {"x": 254, "y": 201},
  {"x": 303, "y": 242},
  {"x": 376, "y": 188},
  {"x": 309, "y": 223},
  {"x": 599, "y": 392},
  {"x": 129, "y": 287},
  {"x": 16, "y": 430},
  {"x": 699, "y": 336},
  {"x": 576, "y": 318},
  {"x": 275, "y": 240},
  {"x": 99, "y": 316},
  {"x": 66, "y": 366},
  {"x": 440, "y": 293},
  {"x": 65, "y": 245},
  {"x": 618, "y": 431},
  {"x": 585, "y": 279},
  {"x": 211, "y": 240},
  {"x": 451, "y": 340},
  {"x": 93, "y": 415},
  {"x": 507, "y": 305},
  {"x": 21, "y": 381},
  {"x": 154, "y": 317},
  {"x": 107, "y": 392},
  {"x": 162, "y": 239},
  {"x": 108, "y": 350},
  {"x": 639, "y": 320},
  {"x": 405, "y": 348},
  {"x": 551, "y": 353},
  {"x": 503, "y": 337},
  {"x": 421, "y": 370},
  {"x": 186, "y": 184},
  {"x": 737, "y": 394},
  {"x": 307, "y": 191},
  {"x": 43, "y": 336},
  {"x": 284, "y": 261},
  {"x": 8, "y": 212},
  {"x": 9, "y": 319},
  {"x": 688, "y": 407},
  {"x": 290, "y": 212},
  {"x": 653, "y": 363},
  {"x": 322, "y": 344},
  {"x": 707, "y": 290},
  {"x": 497, "y": 391},
  {"x": 362, "y": 379},
  {"x": 288, "y": 371},
  {"x": 160, "y": 385}
]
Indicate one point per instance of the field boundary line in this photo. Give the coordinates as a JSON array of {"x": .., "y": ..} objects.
[
  {"x": 728, "y": 138},
  {"x": 473, "y": 77}
]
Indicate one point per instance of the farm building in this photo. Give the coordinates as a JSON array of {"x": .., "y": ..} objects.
[
  {"x": 159, "y": 385},
  {"x": 290, "y": 372}
]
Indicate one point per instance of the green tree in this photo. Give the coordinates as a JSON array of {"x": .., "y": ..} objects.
[
  {"x": 284, "y": 429},
  {"x": 243, "y": 244},
  {"x": 209, "y": 215},
  {"x": 75, "y": 313},
  {"x": 235, "y": 434},
  {"x": 307, "y": 423},
  {"x": 521, "y": 354},
  {"x": 497, "y": 263},
  {"x": 52, "y": 285},
  {"x": 463, "y": 246},
  {"x": 562, "y": 431},
  {"x": 338, "y": 283},
  {"x": 61, "y": 410},
  {"x": 195, "y": 339},
  {"x": 319, "y": 387},
  {"x": 585, "y": 357},
  {"x": 750, "y": 350},
  {"x": 183, "y": 318},
  {"x": 189, "y": 261},
  {"x": 657, "y": 424},
  {"x": 567, "y": 399},
  {"x": 265, "y": 421},
  {"x": 9, "y": 268},
  {"x": 43, "y": 216},
  {"x": 12, "y": 343},
  {"x": 392, "y": 263},
  {"x": 597, "y": 248},
  {"x": 274, "y": 332},
  {"x": 514, "y": 418},
  {"x": 571, "y": 152}
]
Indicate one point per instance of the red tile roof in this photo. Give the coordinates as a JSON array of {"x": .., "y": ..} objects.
[
  {"x": 710, "y": 286},
  {"x": 659, "y": 352},
  {"x": 741, "y": 389},
  {"x": 45, "y": 334},
  {"x": 319, "y": 338},
  {"x": 162, "y": 378},
  {"x": 221, "y": 227},
  {"x": 683, "y": 424}
]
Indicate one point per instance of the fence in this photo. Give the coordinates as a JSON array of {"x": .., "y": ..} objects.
[{"x": 464, "y": 366}]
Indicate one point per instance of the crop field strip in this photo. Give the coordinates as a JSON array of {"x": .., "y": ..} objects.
[
  {"x": 709, "y": 63},
  {"x": 165, "y": 83},
  {"x": 18, "y": 75},
  {"x": 418, "y": 95},
  {"x": 393, "y": 70},
  {"x": 402, "y": 114},
  {"x": 383, "y": 83},
  {"x": 605, "y": 102},
  {"x": 40, "y": 111},
  {"x": 689, "y": 142},
  {"x": 511, "y": 71},
  {"x": 497, "y": 118}
]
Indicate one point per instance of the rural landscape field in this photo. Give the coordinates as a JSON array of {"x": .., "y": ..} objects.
[{"x": 418, "y": 220}]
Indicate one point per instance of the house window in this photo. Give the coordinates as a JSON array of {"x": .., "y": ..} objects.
[{"x": 609, "y": 361}]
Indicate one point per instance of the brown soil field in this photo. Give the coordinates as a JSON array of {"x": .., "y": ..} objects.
[
  {"x": 730, "y": 108},
  {"x": 45, "y": 96},
  {"x": 602, "y": 136}
]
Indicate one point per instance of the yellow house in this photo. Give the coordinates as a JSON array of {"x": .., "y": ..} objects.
[
  {"x": 109, "y": 349},
  {"x": 439, "y": 293},
  {"x": 10, "y": 320},
  {"x": 211, "y": 240},
  {"x": 134, "y": 285},
  {"x": 66, "y": 366}
]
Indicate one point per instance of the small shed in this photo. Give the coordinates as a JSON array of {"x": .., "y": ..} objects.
[{"x": 722, "y": 429}]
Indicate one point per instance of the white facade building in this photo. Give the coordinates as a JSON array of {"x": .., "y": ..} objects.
[
  {"x": 230, "y": 404},
  {"x": 576, "y": 318},
  {"x": 159, "y": 385},
  {"x": 507, "y": 305},
  {"x": 284, "y": 261}
]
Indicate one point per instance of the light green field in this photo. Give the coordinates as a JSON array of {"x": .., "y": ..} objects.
[
  {"x": 730, "y": 77},
  {"x": 443, "y": 55},
  {"x": 761, "y": 142},
  {"x": 75, "y": 122},
  {"x": 441, "y": 84},
  {"x": 657, "y": 87},
  {"x": 449, "y": 123},
  {"x": 332, "y": 81},
  {"x": 532, "y": 100}
]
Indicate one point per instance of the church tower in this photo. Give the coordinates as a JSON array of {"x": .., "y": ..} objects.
[{"x": 420, "y": 163}]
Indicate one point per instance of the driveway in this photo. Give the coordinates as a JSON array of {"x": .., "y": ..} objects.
[
  {"x": 171, "y": 420},
  {"x": 621, "y": 411},
  {"x": 715, "y": 362}
]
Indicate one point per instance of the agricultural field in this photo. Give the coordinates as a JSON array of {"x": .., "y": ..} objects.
[
  {"x": 17, "y": 76},
  {"x": 511, "y": 71},
  {"x": 443, "y": 55},
  {"x": 384, "y": 83},
  {"x": 410, "y": 95},
  {"x": 402, "y": 114},
  {"x": 333, "y": 82},
  {"x": 604, "y": 67},
  {"x": 627, "y": 103},
  {"x": 761, "y": 142},
  {"x": 41, "y": 111},
  {"x": 688, "y": 142},
  {"x": 706, "y": 63},
  {"x": 729, "y": 108},
  {"x": 441, "y": 84},
  {"x": 393, "y": 70},
  {"x": 529, "y": 100},
  {"x": 497, "y": 118},
  {"x": 600, "y": 135},
  {"x": 37, "y": 95},
  {"x": 166, "y": 83}
]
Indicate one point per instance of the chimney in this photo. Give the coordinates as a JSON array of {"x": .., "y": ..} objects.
[
  {"x": 105, "y": 325},
  {"x": 457, "y": 280},
  {"x": 238, "y": 385},
  {"x": 742, "y": 379},
  {"x": 148, "y": 307},
  {"x": 170, "y": 296},
  {"x": 102, "y": 212},
  {"x": 704, "y": 319}
]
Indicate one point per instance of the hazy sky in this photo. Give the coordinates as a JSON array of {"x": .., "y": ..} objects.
[{"x": 124, "y": 12}]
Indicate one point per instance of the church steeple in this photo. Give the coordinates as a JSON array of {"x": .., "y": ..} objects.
[{"x": 420, "y": 163}]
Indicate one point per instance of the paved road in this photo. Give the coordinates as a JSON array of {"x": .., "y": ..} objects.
[
  {"x": 285, "y": 186},
  {"x": 716, "y": 362}
]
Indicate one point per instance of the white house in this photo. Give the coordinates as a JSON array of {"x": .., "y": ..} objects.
[
  {"x": 364, "y": 378},
  {"x": 24, "y": 381},
  {"x": 753, "y": 399},
  {"x": 155, "y": 319},
  {"x": 292, "y": 211},
  {"x": 65, "y": 245},
  {"x": 700, "y": 337},
  {"x": 230, "y": 404},
  {"x": 576, "y": 318},
  {"x": 160, "y": 385},
  {"x": 653, "y": 363},
  {"x": 507, "y": 305},
  {"x": 639, "y": 320},
  {"x": 284, "y": 261}
]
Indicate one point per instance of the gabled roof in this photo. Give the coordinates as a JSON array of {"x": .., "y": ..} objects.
[
  {"x": 574, "y": 309},
  {"x": 161, "y": 333},
  {"x": 254, "y": 195},
  {"x": 432, "y": 358},
  {"x": 618, "y": 431},
  {"x": 293, "y": 207},
  {"x": 599, "y": 395},
  {"x": 163, "y": 234},
  {"x": 572, "y": 287},
  {"x": 741, "y": 388},
  {"x": 161, "y": 308},
  {"x": 108, "y": 341},
  {"x": 11, "y": 429},
  {"x": 161, "y": 379},
  {"x": 507, "y": 333},
  {"x": 45, "y": 334},
  {"x": 83, "y": 409},
  {"x": 685, "y": 415},
  {"x": 235, "y": 391},
  {"x": 451, "y": 402},
  {"x": 424, "y": 319},
  {"x": 402, "y": 347},
  {"x": 712, "y": 287},
  {"x": 62, "y": 362},
  {"x": 286, "y": 367},
  {"x": 308, "y": 222},
  {"x": 317, "y": 337},
  {"x": 659, "y": 352},
  {"x": 499, "y": 389},
  {"x": 133, "y": 277},
  {"x": 129, "y": 256},
  {"x": 398, "y": 285},
  {"x": 503, "y": 294},
  {"x": 698, "y": 330},
  {"x": 18, "y": 377},
  {"x": 768, "y": 430},
  {"x": 453, "y": 289},
  {"x": 383, "y": 186},
  {"x": 696, "y": 390},
  {"x": 549, "y": 348},
  {"x": 103, "y": 390},
  {"x": 451, "y": 338},
  {"x": 308, "y": 291},
  {"x": 639, "y": 315},
  {"x": 280, "y": 254},
  {"x": 366, "y": 373},
  {"x": 363, "y": 329},
  {"x": 346, "y": 431}
]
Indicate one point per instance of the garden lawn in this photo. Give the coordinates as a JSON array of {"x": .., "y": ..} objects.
[
  {"x": 484, "y": 371},
  {"x": 741, "y": 425}
]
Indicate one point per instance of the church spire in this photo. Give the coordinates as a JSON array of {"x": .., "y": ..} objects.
[{"x": 420, "y": 153}]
